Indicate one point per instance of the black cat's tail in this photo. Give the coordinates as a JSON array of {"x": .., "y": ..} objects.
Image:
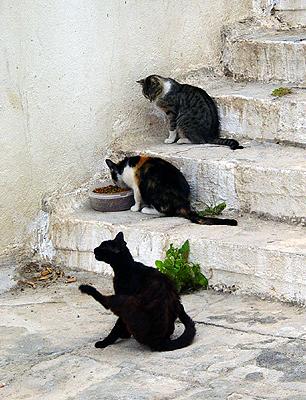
[
  {"x": 184, "y": 340},
  {"x": 232, "y": 143},
  {"x": 197, "y": 219}
]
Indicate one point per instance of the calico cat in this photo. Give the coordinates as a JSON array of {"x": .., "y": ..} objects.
[
  {"x": 145, "y": 301},
  {"x": 159, "y": 188},
  {"x": 192, "y": 113}
]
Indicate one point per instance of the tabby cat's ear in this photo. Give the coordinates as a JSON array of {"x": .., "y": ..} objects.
[
  {"x": 110, "y": 164},
  {"x": 141, "y": 82},
  {"x": 120, "y": 237}
]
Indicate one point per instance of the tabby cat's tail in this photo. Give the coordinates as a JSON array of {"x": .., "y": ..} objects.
[
  {"x": 232, "y": 143},
  {"x": 186, "y": 337},
  {"x": 198, "y": 219}
]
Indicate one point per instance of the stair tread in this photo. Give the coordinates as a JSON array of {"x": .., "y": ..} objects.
[
  {"x": 248, "y": 110},
  {"x": 264, "y": 155},
  {"x": 263, "y": 178},
  {"x": 291, "y": 5},
  {"x": 219, "y": 87},
  {"x": 257, "y": 54},
  {"x": 250, "y": 231},
  {"x": 293, "y": 36}
]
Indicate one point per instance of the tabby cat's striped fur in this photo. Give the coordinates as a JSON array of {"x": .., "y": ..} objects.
[{"x": 192, "y": 113}]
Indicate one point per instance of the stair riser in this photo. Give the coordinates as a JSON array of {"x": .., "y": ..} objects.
[
  {"x": 278, "y": 194},
  {"x": 293, "y": 12},
  {"x": 294, "y": 18},
  {"x": 253, "y": 270},
  {"x": 276, "y": 120},
  {"x": 265, "y": 61},
  {"x": 290, "y": 5}
]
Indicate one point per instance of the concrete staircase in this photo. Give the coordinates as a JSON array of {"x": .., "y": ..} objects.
[
  {"x": 266, "y": 56},
  {"x": 264, "y": 184}
]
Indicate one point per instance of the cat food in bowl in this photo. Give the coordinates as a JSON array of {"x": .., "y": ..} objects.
[{"x": 111, "y": 198}]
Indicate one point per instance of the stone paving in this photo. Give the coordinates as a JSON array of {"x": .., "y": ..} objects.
[{"x": 245, "y": 348}]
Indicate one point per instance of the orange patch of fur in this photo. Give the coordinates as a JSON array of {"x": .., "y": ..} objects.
[{"x": 141, "y": 162}]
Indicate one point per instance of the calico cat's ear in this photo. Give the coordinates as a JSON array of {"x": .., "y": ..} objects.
[
  {"x": 120, "y": 238},
  {"x": 110, "y": 164},
  {"x": 141, "y": 82}
]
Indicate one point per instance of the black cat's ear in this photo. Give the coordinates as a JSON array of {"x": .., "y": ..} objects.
[
  {"x": 120, "y": 237},
  {"x": 110, "y": 164},
  {"x": 141, "y": 82}
]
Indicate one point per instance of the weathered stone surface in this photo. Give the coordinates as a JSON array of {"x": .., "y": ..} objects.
[
  {"x": 47, "y": 350},
  {"x": 291, "y": 12},
  {"x": 248, "y": 110},
  {"x": 268, "y": 56},
  {"x": 257, "y": 256},
  {"x": 294, "y": 18},
  {"x": 264, "y": 179},
  {"x": 6, "y": 277}
]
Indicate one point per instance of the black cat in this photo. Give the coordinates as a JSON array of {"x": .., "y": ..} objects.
[
  {"x": 145, "y": 301},
  {"x": 192, "y": 113}
]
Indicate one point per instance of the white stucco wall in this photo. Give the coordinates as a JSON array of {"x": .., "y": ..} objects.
[{"x": 68, "y": 71}]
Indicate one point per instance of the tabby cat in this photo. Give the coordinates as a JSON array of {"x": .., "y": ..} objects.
[
  {"x": 159, "y": 188},
  {"x": 192, "y": 113},
  {"x": 145, "y": 301}
]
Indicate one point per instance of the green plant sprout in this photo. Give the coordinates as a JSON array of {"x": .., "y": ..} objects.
[
  {"x": 213, "y": 210},
  {"x": 281, "y": 91},
  {"x": 187, "y": 276}
]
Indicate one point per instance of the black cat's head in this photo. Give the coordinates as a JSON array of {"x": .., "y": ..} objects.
[
  {"x": 111, "y": 251},
  {"x": 152, "y": 86},
  {"x": 116, "y": 171}
]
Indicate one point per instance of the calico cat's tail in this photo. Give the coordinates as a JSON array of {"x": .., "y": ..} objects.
[
  {"x": 232, "y": 143},
  {"x": 197, "y": 219},
  {"x": 186, "y": 337}
]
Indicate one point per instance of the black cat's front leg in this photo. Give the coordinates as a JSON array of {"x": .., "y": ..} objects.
[
  {"x": 91, "y": 291},
  {"x": 172, "y": 129},
  {"x": 118, "y": 331}
]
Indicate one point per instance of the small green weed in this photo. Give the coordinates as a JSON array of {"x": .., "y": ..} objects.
[
  {"x": 186, "y": 276},
  {"x": 281, "y": 91},
  {"x": 212, "y": 210}
]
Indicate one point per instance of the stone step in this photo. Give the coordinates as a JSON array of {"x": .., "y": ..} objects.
[
  {"x": 248, "y": 110},
  {"x": 292, "y": 12},
  {"x": 268, "y": 56},
  {"x": 258, "y": 257},
  {"x": 264, "y": 179}
]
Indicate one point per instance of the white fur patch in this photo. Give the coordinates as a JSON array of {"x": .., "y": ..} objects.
[
  {"x": 167, "y": 87},
  {"x": 128, "y": 177},
  {"x": 171, "y": 138},
  {"x": 183, "y": 141},
  {"x": 150, "y": 211}
]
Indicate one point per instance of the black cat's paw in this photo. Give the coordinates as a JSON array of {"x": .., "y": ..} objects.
[
  {"x": 86, "y": 289},
  {"x": 101, "y": 344}
]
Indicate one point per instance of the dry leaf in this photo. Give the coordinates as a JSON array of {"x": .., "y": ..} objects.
[
  {"x": 71, "y": 279},
  {"x": 30, "y": 283},
  {"x": 2, "y": 385},
  {"x": 45, "y": 272},
  {"x": 44, "y": 278}
]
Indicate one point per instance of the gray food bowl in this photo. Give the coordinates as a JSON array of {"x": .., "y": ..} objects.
[{"x": 111, "y": 201}]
